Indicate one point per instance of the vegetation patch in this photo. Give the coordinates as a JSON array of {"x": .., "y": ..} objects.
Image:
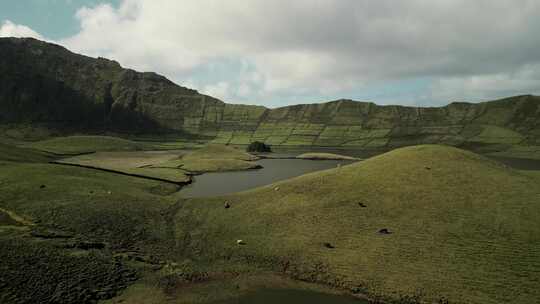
[
  {"x": 258, "y": 146},
  {"x": 45, "y": 274}
]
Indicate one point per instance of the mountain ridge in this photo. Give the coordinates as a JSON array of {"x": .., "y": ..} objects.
[{"x": 46, "y": 83}]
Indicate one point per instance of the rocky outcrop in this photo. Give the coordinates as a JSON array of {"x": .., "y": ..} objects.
[{"x": 42, "y": 82}]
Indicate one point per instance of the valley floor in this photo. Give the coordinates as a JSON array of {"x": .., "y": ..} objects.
[{"x": 419, "y": 224}]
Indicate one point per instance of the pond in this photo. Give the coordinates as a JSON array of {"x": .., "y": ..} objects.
[
  {"x": 213, "y": 184},
  {"x": 220, "y": 183},
  {"x": 291, "y": 296}
]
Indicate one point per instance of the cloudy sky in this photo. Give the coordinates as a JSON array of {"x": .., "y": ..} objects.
[{"x": 280, "y": 52}]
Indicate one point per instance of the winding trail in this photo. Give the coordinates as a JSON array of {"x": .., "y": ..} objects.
[{"x": 19, "y": 219}]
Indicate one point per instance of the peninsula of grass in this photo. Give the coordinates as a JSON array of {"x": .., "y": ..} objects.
[
  {"x": 213, "y": 158},
  {"x": 325, "y": 156},
  {"x": 173, "y": 166}
]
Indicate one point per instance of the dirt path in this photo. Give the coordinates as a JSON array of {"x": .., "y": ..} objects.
[{"x": 17, "y": 218}]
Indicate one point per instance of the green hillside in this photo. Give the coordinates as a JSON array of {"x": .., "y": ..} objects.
[{"x": 42, "y": 83}]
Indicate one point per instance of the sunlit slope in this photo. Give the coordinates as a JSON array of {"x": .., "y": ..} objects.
[{"x": 462, "y": 227}]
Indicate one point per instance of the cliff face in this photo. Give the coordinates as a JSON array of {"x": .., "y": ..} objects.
[{"x": 45, "y": 83}]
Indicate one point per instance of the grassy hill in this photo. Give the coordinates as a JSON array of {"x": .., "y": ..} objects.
[{"x": 461, "y": 227}]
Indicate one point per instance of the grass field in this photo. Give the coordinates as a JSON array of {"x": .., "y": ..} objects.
[{"x": 459, "y": 227}]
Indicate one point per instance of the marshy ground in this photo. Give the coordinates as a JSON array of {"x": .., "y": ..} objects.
[{"x": 462, "y": 228}]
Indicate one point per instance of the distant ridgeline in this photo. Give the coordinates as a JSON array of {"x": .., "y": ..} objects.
[{"x": 46, "y": 83}]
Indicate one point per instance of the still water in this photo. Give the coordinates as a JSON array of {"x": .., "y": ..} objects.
[
  {"x": 292, "y": 296},
  {"x": 212, "y": 184},
  {"x": 518, "y": 163}
]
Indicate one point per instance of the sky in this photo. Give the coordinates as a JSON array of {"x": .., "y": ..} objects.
[{"x": 282, "y": 52}]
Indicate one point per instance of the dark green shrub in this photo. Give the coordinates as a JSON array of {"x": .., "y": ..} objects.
[{"x": 258, "y": 146}]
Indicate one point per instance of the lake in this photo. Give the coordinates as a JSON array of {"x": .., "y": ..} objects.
[
  {"x": 213, "y": 184},
  {"x": 220, "y": 183}
]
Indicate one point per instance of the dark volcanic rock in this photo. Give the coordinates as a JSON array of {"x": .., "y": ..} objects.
[
  {"x": 384, "y": 231},
  {"x": 329, "y": 246}
]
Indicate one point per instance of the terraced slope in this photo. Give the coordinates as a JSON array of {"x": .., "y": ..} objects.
[
  {"x": 45, "y": 83},
  {"x": 494, "y": 125}
]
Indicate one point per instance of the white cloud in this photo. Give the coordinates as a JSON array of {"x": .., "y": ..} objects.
[
  {"x": 244, "y": 90},
  {"x": 219, "y": 90},
  {"x": 10, "y": 29},
  {"x": 321, "y": 47},
  {"x": 524, "y": 80}
]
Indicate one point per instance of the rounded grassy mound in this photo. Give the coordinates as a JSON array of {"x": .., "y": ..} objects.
[{"x": 431, "y": 220}]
